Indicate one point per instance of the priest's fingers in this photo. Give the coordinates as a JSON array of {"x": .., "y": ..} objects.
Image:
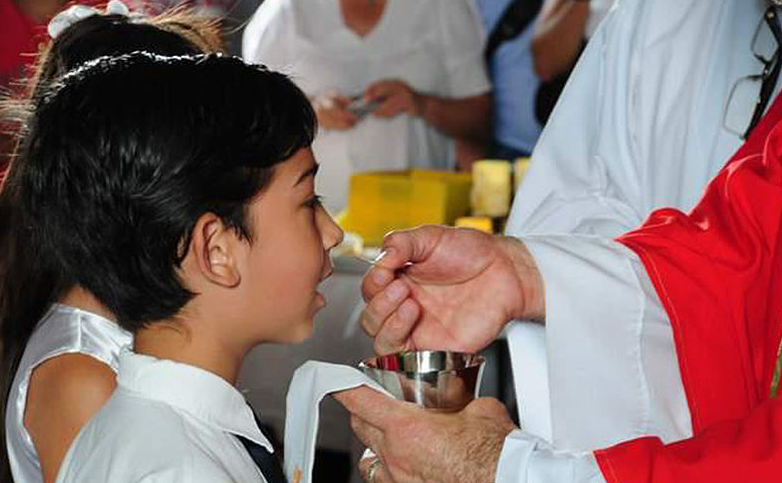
[
  {"x": 375, "y": 281},
  {"x": 374, "y": 407},
  {"x": 394, "y": 334},
  {"x": 410, "y": 246},
  {"x": 400, "y": 249},
  {"x": 368, "y": 434},
  {"x": 383, "y": 305}
]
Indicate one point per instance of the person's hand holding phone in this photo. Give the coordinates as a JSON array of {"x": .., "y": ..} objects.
[
  {"x": 333, "y": 113},
  {"x": 394, "y": 97}
]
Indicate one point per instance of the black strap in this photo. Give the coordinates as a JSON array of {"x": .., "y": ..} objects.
[{"x": 514, "y": 20}]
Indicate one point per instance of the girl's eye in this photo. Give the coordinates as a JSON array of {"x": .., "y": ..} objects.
[{"x": 315, "y": 201}]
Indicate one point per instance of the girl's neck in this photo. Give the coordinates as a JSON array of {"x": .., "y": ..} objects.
[
  {"x": 81, "y": 298},
  {"x": 173, "y": 341}
]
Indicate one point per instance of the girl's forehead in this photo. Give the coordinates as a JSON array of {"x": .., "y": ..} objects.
[{"x": 296, "y": 170}]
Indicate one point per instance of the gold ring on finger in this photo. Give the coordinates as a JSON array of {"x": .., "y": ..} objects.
[{"x": 372, "y": 469}]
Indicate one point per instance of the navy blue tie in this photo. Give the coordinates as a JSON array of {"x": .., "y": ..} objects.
[{"x": 266, "y": 462}]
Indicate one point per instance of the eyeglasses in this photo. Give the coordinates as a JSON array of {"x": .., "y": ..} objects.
[{"x": 758, "y": 87}]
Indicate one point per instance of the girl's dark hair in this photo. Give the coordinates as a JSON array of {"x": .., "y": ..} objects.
[
  {"x": 30, "y": 279},
  {"x": 127, "y": 153}
]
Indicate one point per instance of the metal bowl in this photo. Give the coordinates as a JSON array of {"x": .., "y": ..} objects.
[{"x": 441, "y": 380}]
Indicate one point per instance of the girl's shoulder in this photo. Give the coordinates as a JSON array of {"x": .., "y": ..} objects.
[
  {"x": 69, "y": 330},
  {"x": 64, "y": 392}
]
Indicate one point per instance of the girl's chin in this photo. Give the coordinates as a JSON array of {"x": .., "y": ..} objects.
[{"x": 320, "y": 301}]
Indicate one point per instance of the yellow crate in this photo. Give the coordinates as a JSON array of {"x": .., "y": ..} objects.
[
  {"x": 520, "y": 167},
  {"x": 482, "y": 223},
  {"x": 379, "y": 202}
]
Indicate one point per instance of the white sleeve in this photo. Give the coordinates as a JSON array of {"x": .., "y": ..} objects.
[
  {"x": 583, "y": 176},
  {"x": 267, "y": 38},
  {"x": 527, "y": 459},
  {"x": 463, "y": 39},
  {"x": 612, "y": 369}
]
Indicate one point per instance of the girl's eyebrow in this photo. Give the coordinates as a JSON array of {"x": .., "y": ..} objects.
[{"x": 310, "y": 172}]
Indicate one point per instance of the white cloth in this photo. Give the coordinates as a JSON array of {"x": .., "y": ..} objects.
[
  {"x": 310, "y": 384},
  {"x": 64, "y": 330},
  {"x": 524, "y": 458},
  {"x": 527, "y": 348},
  {"x": 598, "y": 9},
  {"x": 639, "y": 126},
  {"x": 613, "y": 370},
  {"x": 528, "y": 459},
  {"x": 610, "y": 345},
  {"x": 435, "y": 46},
  {"x": 167, "y": 422}
]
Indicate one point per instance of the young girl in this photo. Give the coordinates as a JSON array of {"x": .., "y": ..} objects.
[
  {"x": 186, "y": 206},
  {"x": 65, "y": 370}
]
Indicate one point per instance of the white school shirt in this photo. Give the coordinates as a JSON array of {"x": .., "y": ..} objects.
[
  {"x": 166, "y": 422},
  {"x": 435, "y": 46},
  {"x": 63, "y": 330},
  {"x": 639, "y": 126}
]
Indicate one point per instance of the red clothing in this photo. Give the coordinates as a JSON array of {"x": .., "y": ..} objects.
[
  {"x": 20, "y": 42},
  {"x": 19, "y": 39},
  {"x": 718, "y": 272}
]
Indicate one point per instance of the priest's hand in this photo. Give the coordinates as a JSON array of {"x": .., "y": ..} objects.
[
  {"x": 448, "y": 289},
  {"x": 416, "y": 445}
]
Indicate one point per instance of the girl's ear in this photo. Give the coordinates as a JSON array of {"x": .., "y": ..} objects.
[{"x": 214, "y": 250}]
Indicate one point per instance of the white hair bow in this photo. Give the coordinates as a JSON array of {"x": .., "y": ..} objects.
[{"x": 68, "y": 17}]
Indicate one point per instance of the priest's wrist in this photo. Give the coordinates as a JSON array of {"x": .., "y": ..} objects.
[{"x": 531, "y": 303}]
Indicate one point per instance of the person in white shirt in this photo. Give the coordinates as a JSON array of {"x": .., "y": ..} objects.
[
  {"x": 60, "y": 345},
  {"x": 195, "y": 239},
  {"x": 417, "y": 65}
]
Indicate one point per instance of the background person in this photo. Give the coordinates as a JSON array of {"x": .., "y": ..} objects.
[
  {"x": 514, "y": 82},
  {"x": 419, "y": 65}
]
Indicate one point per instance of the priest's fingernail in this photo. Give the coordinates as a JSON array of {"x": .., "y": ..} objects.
[
  {"x": 396, "y": 290},
  {"x": 407, "y": 310},
  {"x": 381, "y": 276}
]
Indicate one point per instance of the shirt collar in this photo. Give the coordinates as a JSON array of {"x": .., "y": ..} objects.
[{"x": 195, "y": 391}]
